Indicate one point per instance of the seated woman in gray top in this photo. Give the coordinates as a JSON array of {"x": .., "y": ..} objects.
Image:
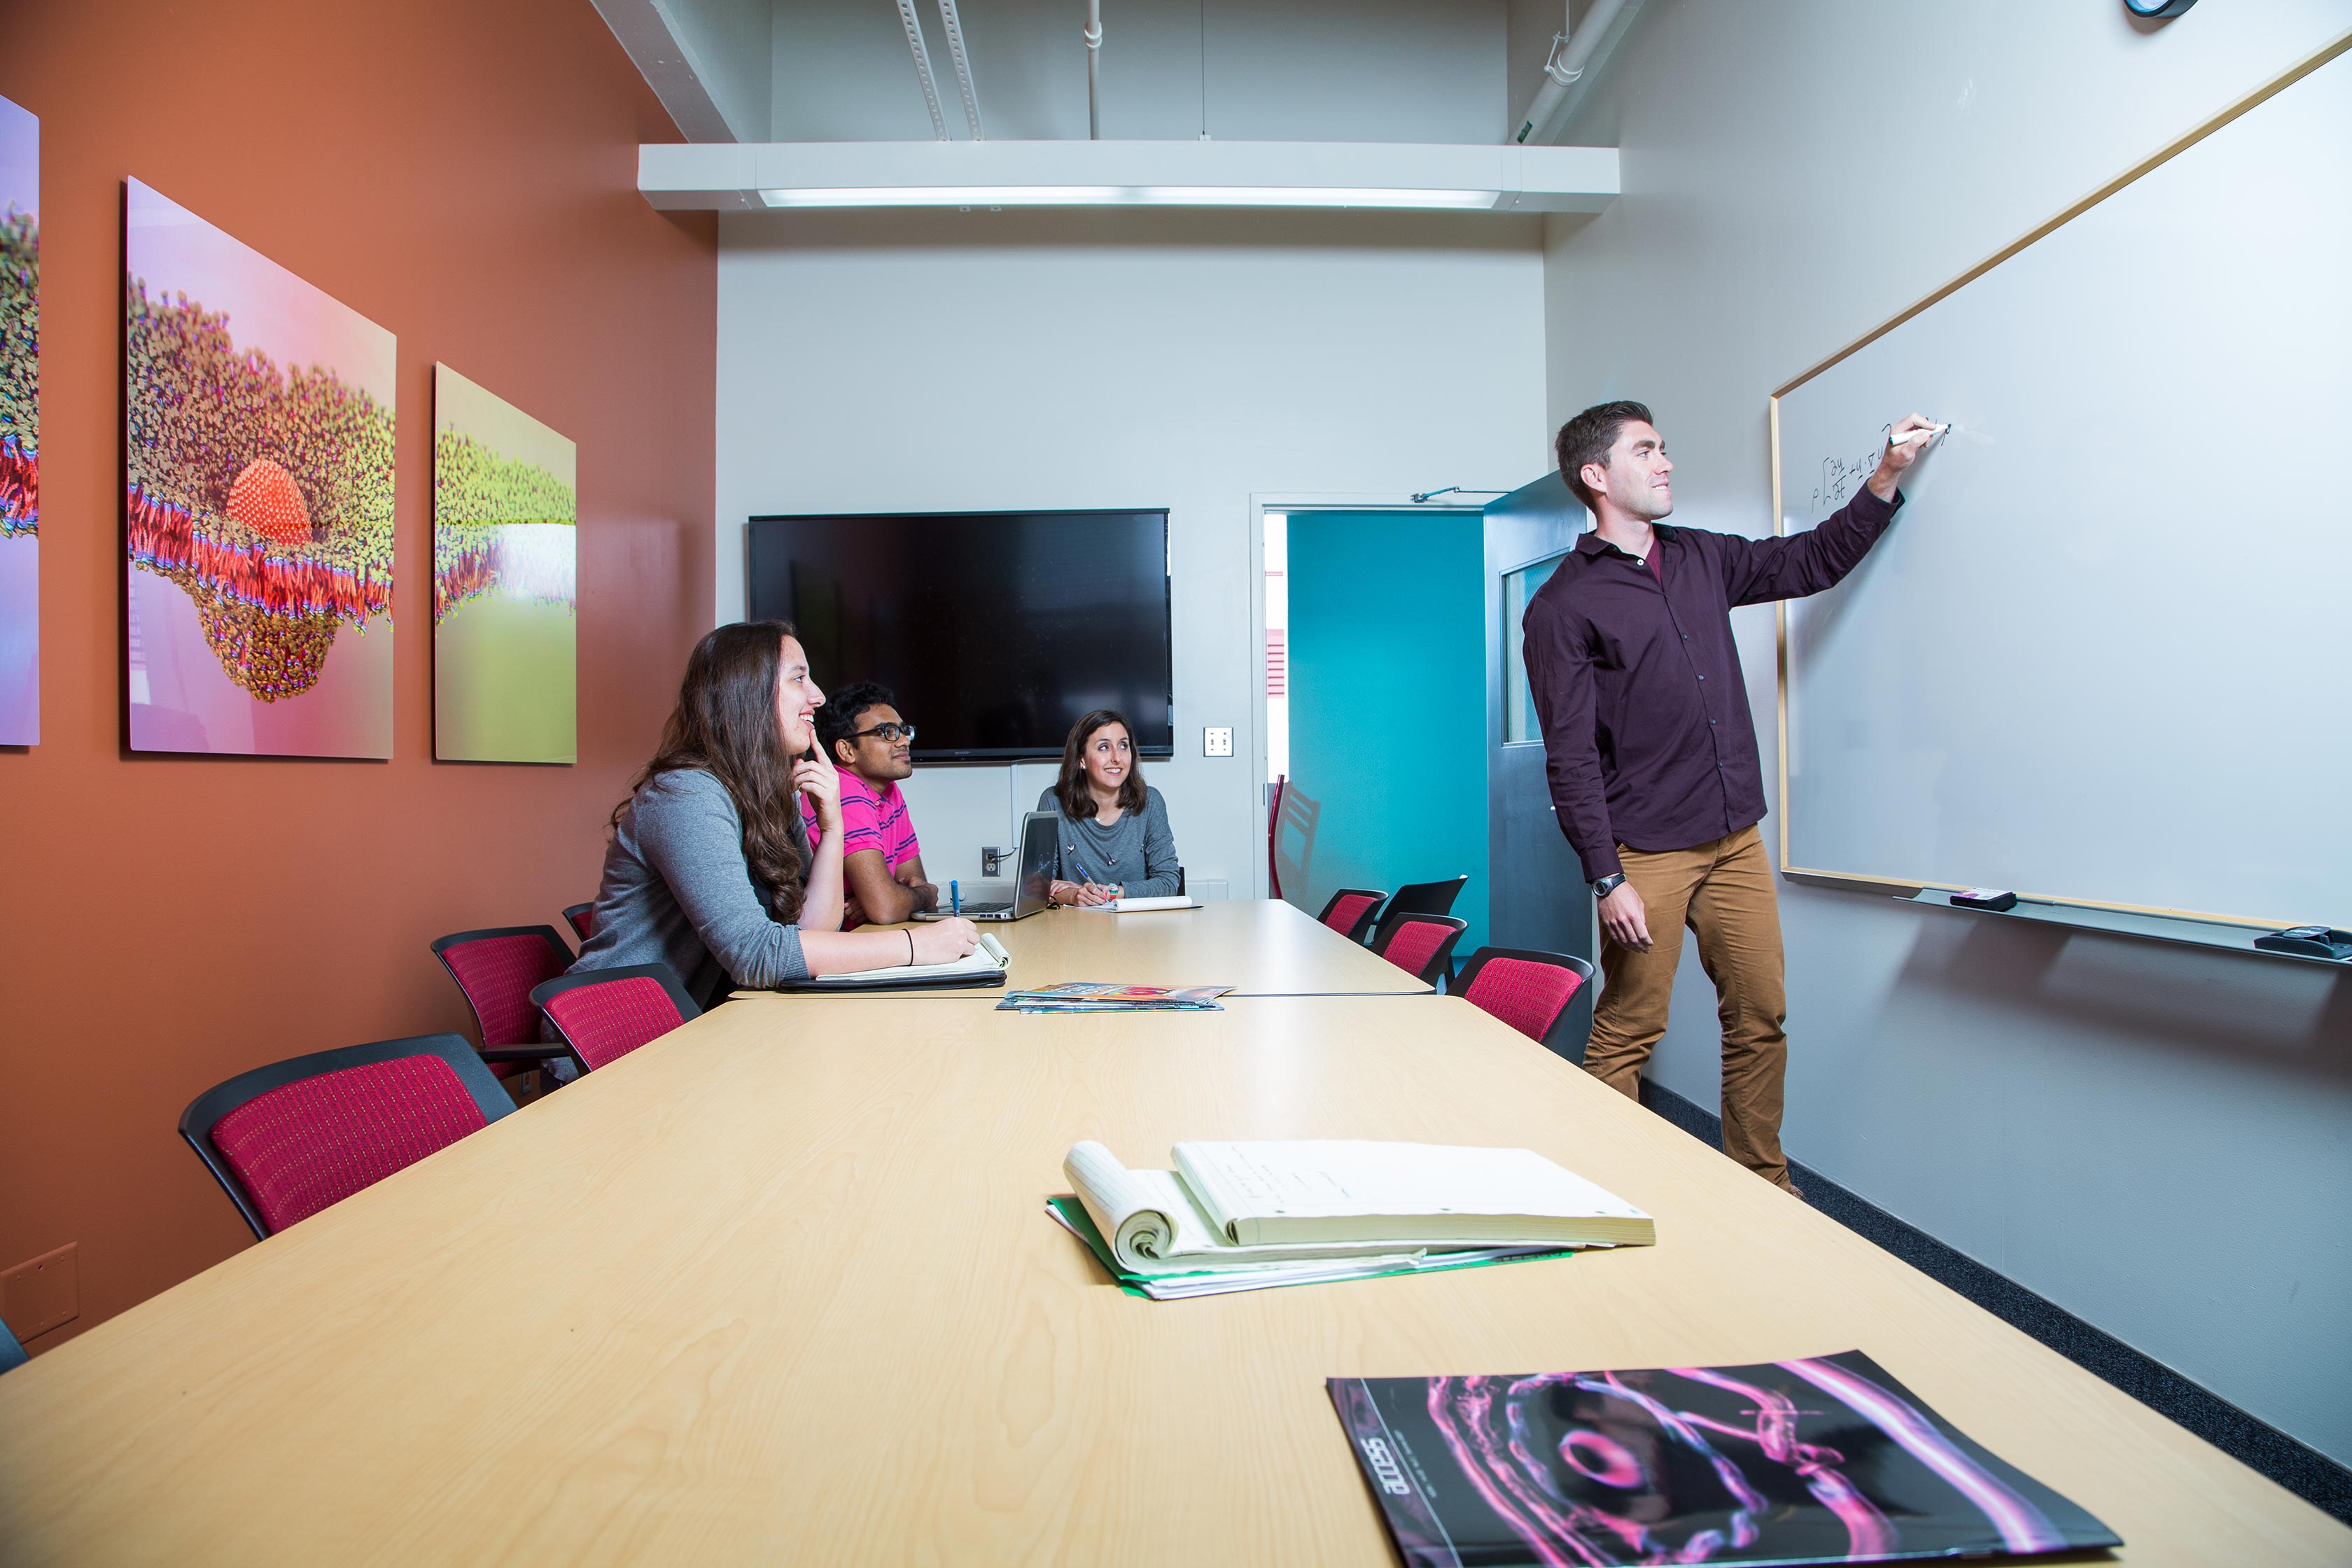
[
  {"x": 710, "y": 869},
  {"x": 1115, "y": 842}
]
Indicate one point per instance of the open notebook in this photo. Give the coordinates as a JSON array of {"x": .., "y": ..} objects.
[
  {"x": 1140, "y": 906},
  {"x": 1237, "y": 1204},
  {"x": 983, "y": 965}
]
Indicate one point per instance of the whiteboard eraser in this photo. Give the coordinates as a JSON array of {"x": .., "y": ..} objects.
[{"x": 1994, "y": 900}]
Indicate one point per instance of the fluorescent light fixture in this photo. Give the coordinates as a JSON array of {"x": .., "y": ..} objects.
[{"x": 1125, "y": 196}]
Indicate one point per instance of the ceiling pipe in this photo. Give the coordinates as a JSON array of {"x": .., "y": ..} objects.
[
  {"x": 923, "y": 67},
  {"x": 963, "y": 66},
  {"x": 1572, "y": 51},
  {"x": 1094, "y": 70}
]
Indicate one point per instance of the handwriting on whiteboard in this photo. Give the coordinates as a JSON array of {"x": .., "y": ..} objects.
[{"x": 1840, "y": 478}]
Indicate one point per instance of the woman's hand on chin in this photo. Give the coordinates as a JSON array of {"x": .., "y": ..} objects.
[{"x": 821, "y": 783}]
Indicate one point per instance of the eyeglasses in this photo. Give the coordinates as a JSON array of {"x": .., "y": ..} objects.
[{"x": 889, "y": 733}]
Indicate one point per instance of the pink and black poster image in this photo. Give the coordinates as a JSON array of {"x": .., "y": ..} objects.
[
  {"x": 258, "y": 452},
  {"x": 20, "y": 427},
  {"x": 1822, "y": 1460}
]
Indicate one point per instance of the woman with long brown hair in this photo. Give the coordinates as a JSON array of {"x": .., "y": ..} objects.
[
  {"x": 710, "y": 869},
  {"x": 1115, "y": 841}
]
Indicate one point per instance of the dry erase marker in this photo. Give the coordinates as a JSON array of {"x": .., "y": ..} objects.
[
  {"x": 1910, "y": 435},
  {"x": 955, "y": 896}
]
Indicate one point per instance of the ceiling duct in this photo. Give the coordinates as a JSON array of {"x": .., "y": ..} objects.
[
  {"x": 923, "y": 67},
  {"x": 963, "y": 66},
  {"x": 1575, "y": 53}
]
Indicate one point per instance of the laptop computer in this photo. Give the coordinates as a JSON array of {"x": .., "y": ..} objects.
[{"x": 1041, "y": 848}]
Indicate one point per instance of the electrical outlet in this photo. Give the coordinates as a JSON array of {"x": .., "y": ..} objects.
[
  {"x": 39, "y": 1296},
  {"x": 1217, "y": 742},
  {"x": 991, "y": 860}
]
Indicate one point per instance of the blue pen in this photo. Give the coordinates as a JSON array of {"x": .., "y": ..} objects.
[
  {"x": 1084, "y": 874},
  {"x": 955, "y": 896}
]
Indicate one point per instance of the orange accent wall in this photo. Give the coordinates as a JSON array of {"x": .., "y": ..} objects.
[{"x": 463, "y": 173}]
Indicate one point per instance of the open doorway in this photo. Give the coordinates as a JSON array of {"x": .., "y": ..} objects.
[{"x": 1375, "y": 701}]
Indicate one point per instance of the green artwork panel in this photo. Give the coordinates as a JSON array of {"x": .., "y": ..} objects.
[{"x": 505, "y": 581}]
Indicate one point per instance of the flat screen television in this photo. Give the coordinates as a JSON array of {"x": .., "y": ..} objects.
[{"x": 997, "y": 631}]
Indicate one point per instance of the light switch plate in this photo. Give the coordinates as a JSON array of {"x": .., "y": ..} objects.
[
  {"x": 43, "y": 1294},
  {"x": 1217, "y": 742}
]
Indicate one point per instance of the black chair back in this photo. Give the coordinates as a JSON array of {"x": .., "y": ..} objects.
[{"x": 1425, "y": 898}]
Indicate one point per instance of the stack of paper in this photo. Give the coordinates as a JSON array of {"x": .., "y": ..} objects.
[{"x": 1241, "y": 1217}]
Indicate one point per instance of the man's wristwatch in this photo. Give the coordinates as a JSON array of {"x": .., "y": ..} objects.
[{"x": 1608, "y": 884}]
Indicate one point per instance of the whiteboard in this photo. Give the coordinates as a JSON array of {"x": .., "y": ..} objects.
[{"x": 2103, "y": 655}]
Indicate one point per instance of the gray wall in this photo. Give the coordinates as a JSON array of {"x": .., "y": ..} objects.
[
  {"x": 2157, "y": 1138},
  {"x": 944, "y": 361}
]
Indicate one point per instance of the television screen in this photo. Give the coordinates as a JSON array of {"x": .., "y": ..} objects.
[{"x": 997, "y": 631}]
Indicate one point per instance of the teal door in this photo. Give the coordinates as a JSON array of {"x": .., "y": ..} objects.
[{"x": 1387, "y": 655}]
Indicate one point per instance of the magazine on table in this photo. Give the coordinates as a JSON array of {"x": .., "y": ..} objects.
[
  {"x": 1110, "y": 997},
  {"x": 1823, "y": 1459}
]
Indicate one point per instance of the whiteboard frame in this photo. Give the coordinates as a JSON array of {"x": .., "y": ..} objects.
[{"x": 2271, "y": 89}]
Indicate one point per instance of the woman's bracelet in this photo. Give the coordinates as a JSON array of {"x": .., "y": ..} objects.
[{"x": 910, "y": 947}]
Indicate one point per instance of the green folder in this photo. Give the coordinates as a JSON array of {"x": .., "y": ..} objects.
[{"x": 1072, "y": 1215}]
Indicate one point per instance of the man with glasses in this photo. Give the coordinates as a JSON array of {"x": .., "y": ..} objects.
[{"x": 881, "y": 860}]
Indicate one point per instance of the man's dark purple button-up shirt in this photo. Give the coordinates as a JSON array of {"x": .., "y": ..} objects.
[{"x": 1647, "y": 738}]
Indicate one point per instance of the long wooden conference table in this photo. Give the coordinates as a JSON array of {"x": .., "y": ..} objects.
[
  {"x": 780, "y": 1285},
  {"x": 1259, "y": 947}
]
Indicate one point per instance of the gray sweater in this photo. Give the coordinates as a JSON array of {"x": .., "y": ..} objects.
[
  {"x": 678, "y": 891},
  {"x": 1138, "y": 850}
]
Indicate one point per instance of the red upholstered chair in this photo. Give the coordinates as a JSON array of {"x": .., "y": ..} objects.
[
  {"x": 496, "y": 968},
  {"x": 605, "y": 1014},
  {"x": 1422, "y": 944},
  {"x": 1525, "y": 988},
  {"x": 584, "y": 920},
  {"x": 287, "y": 1140},
  {"x": 1425, "y": 898},
  {"x": 1352, "y": 910}
]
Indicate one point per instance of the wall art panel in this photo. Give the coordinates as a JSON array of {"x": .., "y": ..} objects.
[
  {"x": 259, "y": 500},
  {"x": 505, "y": 581},
  {"x": 20, "y": 427}
]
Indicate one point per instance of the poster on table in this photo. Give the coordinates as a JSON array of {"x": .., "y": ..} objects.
[
  {"x": 505, "y": 581},
  {"x": 1822, "y": 1460},
  {"x": 20, "y": 427},
  {"x": 258, "y": 477}
]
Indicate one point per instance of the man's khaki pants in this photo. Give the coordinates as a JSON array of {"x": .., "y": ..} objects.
[{"x": 1723, "y": 891}]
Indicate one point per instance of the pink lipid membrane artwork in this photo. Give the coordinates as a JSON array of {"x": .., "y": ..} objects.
[
  {"x": 20, "y": 427},
  {"x": 258, "y": 499}
]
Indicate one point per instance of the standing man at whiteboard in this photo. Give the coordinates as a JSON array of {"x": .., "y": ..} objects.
[{"x": 1651, "y": 755}]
